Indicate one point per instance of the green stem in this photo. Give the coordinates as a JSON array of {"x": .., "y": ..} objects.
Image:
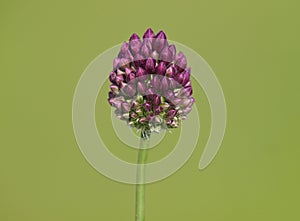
[{"x": 140, "y": 177}]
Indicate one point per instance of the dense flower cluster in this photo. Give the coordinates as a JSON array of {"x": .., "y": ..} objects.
[{"x": 150, "y": 84}]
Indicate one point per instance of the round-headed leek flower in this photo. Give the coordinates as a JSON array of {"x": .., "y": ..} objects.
[{"x": 150, "y": 83}]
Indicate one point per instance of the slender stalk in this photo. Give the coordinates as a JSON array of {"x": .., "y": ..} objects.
[{"x": 140, "y": 177}]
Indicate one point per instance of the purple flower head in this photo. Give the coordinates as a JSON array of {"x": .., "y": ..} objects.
[{"x": 150, "y": 83}]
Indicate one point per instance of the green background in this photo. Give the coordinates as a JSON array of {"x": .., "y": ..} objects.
[{"x": 253, "y": 47}]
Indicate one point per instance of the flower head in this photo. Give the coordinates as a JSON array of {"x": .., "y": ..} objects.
[{"x": 150, "y": 83}]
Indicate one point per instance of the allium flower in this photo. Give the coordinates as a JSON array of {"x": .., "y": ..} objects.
[
  {"x": 151, "y": 90},
  {"x": 150, "y": 84}
]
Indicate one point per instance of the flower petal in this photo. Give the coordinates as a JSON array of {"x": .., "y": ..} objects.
[{"x": 149, "y": 33}]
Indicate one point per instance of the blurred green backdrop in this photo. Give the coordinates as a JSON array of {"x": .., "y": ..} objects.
[{"x": 253, "y": 47}]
